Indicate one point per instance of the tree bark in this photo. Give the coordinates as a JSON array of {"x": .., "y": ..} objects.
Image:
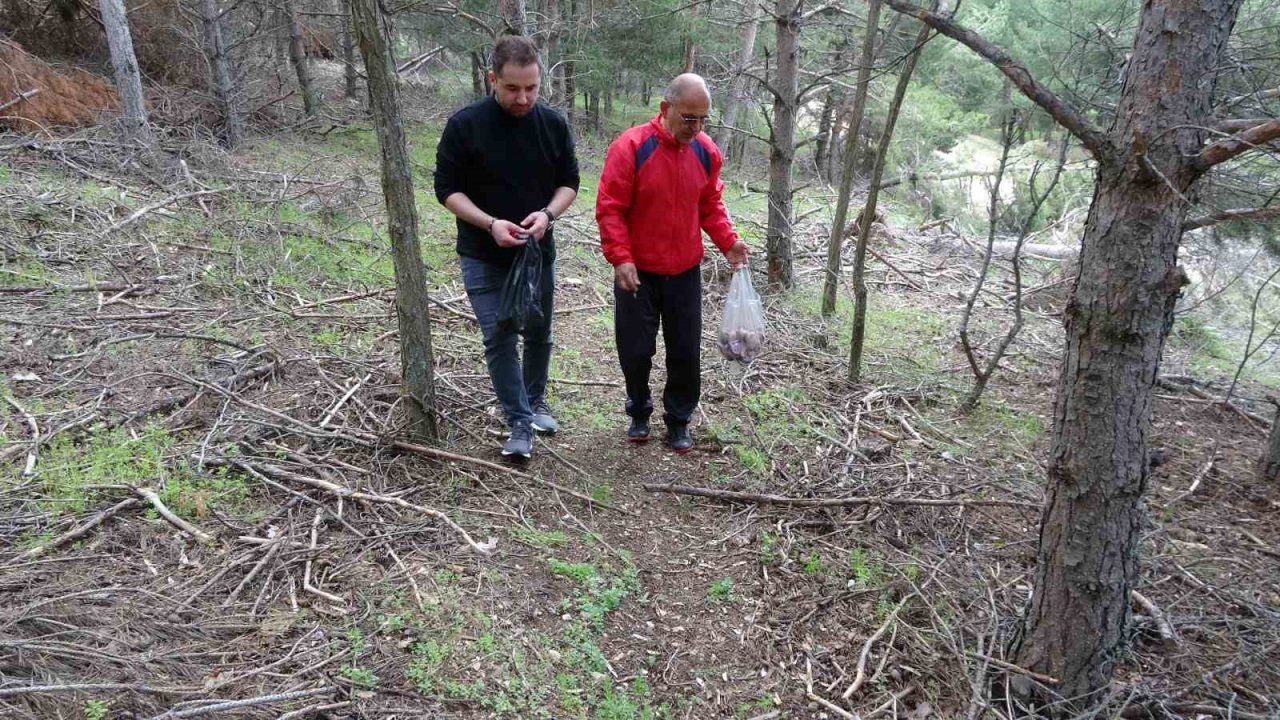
[
  {"x": 593, "y": 110},
  {"x": 822, "y": 143},
  {"x": 478, "y": 82},
  {"x": 869, "y": 210},
  {"x": 215, "y": 50},
  {"x": 835, "y": 242},
  {"x": 124, "y": 65},
  {"x": 1149, "y": 162},
  {"x": 1116, "y": 324},
  {"x": 280, "y": 36},
  {"x": 689, "y": 50},
  {"x": 1269, "y": 465},
  {"x": 513, "y": 14},
  {"x": 301, "y": 64},
  {"x": 413, "y": 309},
  {"x": 782, "y": 146},
  {"x": 833, "y": 99},
  {"x": 569, "y": 9},
  {"x": 551, "y": 8},
  {"x": 570, "y": 93},
  {"x": 738, "y": 93},
  {"x": 348, "y": 52}
]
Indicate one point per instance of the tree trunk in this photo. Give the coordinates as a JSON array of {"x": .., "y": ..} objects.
[
  {"x": 1269, "y": 465},
  {"x": 1037, "y": 194},
  {"x": 413, "y": 309},
  {"x": 869, "y": 211},
  {"x": 833, "y": 99},
  {"x": 220, "y": 66},
  {"x": 551, "y": 8},
  {"x": 124, "y": 65},
  {"x": 822, "y": 143},
  {"x": 593, "y": 110},
  {"x": 570, "y": 69},
  {"x": 1116, "y": 323},
  {"x": 570, "y": 93},
  {"x": 1120, "y": 312},
  {"x": 280, "y": 34},
  {"x": 348, "y": 52},
  {"x": 513, "y": 14},
  {"x": 477, "y": 76},
  {"x": 851, "y": 143},
  {"x": 738, "y": 93},
  {"x": 689, "y": 50},
  {"x": 301, "y": 65},
  {"x": 866, "y": 149},
  {"x": 782, "y": 146},
  {"x": 981, "y": 375}
]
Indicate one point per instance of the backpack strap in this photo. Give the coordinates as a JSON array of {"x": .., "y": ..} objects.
[
  {"x": 645, "y": 150},
  {"x": 704, "y": 155},
  {"x": 650, "y": 144}
]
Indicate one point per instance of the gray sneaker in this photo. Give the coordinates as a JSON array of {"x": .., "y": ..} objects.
[
  {"x": 542, "y": 420},
  {"x": 520, "y": 443}
]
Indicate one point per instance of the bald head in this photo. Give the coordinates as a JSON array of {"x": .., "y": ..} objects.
[
  {"x": 684, "y": 86},
  {"x": 685, "y": 107}
]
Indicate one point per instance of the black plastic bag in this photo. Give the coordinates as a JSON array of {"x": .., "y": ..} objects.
[{"x": 522, "y": 291}]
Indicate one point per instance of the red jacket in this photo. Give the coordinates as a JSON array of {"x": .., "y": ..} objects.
[{"x": 655, "y": 196}]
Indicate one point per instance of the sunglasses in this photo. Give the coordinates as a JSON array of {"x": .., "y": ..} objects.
[{"x": 695, "y": 119}]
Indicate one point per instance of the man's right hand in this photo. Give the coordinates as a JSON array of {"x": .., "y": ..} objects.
[
  {"x": 508, "y": 234},
  {"x": 626, "y": 277}
]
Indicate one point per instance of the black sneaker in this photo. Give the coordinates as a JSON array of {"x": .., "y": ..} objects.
[
  {"x": 543, "y": 422},
  {"x": 520, "y": 444},
  {"x": 639, "y": 430},
  {"x": 679, "y": 439}
]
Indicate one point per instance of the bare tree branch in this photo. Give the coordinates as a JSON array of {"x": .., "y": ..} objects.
[
  {"x": 763, "y": 83},
  {"x": 1223, "y": 150},
  {"x": 452, "y": 10},
  {"x": 23, "y": 96},
  {"x": 1260, "y": 95},
  {"x": 1225, "y": 216},
  {"x": 1093, "y": 139},
  {"x": 817, "y": 11},
  {"x": 1235, "y": 125}
]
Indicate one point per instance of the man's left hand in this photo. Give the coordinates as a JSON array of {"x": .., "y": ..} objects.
[
  {"x": 536, "y": 224},
  {"x": 737, "y": 255}
]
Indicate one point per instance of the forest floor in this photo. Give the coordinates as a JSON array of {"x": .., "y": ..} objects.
[{"x": 222, "y": 332}]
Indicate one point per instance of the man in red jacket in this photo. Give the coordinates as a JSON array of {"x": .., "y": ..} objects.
[{"x": 659, "y": 190}]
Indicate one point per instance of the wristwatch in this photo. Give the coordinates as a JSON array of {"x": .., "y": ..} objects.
[{"x": 551, "y": 219}]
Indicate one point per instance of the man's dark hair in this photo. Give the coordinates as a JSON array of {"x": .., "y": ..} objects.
[{"x": 516, "y": 49}]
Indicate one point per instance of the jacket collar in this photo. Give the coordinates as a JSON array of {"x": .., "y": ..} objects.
[{"x": 665, "y": 137}]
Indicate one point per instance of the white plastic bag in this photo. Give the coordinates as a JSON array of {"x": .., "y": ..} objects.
[{"x": 742, "y": 327}]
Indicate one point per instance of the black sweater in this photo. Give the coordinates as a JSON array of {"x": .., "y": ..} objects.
[{"x": 508, "y": 166}]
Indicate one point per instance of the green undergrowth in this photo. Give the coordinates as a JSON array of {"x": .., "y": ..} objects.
[
  {"x": 78, "y": 474},
  {"x": 456, "y": 651},
  {"x": 901, "y": 343}
]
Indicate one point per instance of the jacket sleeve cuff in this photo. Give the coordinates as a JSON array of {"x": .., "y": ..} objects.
[
  {"x": 726, "y": 242},
  {"x": 618, "y": 257}
]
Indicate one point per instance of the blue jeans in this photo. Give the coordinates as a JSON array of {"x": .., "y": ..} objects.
[{"x": 518, "y": 386}]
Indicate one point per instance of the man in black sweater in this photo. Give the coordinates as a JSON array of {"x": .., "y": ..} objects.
[{"x": 506, "y": 168}]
